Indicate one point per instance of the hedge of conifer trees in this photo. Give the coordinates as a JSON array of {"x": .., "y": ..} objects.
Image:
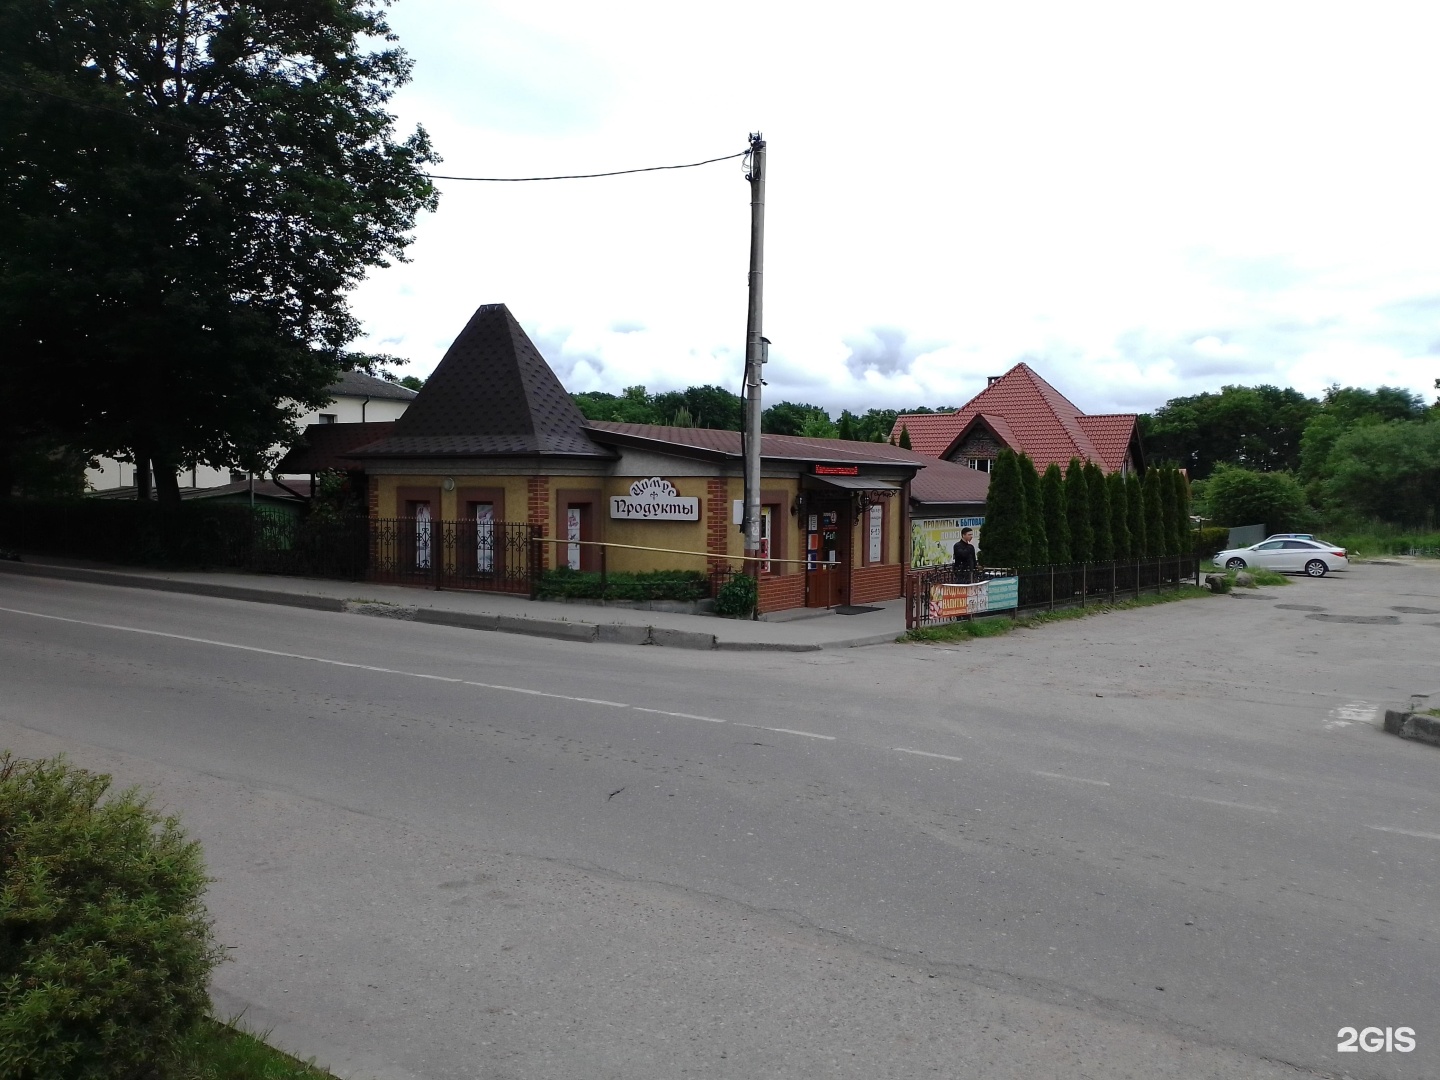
[{"x": 1081, "y": 514}]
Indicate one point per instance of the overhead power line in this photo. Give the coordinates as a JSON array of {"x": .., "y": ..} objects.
[{"x": 585, "y": 176}]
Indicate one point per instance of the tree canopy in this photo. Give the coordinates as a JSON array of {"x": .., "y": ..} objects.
[{"x": 192, "y": 187}]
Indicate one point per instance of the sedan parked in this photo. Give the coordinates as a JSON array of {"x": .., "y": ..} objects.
[{"x": 1313, "y": 557}]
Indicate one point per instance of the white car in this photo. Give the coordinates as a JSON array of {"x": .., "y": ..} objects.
[{"x": 1290, "y": 555}]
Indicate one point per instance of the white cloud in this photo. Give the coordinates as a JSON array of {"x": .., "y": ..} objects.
[{"x": 1145, "y": 200}]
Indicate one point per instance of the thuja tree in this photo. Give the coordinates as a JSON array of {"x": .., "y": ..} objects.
[
  {"x": 1077, "y": 509},
  {"x": 1005, "y": 540},
  {"x": 1168, "y": 524},
  {"x": 1182, "y": 511},
  {"x": 1057, "y": 525},
  {"x": 1104, "y": 543},
  {"x": 1039, "y": 553},
  {"x": 1155, "y": 532},
  {"x": 1135, "y": 517},
  {"x": 1120, "y": 515},
  {"x": 192, "y": 189}
]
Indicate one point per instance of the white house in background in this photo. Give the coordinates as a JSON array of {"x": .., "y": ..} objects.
[{"x": 357, "y": 398}]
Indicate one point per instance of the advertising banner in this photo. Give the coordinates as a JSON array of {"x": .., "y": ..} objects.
[
  {"x": 932, "y": 540},
  {"x": 655, "y": 499},
  {"x": 958, "y": 601}
]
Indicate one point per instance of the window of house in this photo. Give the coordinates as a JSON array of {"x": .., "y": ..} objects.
[
  {"x": 327, "y": 418},
  {"x": 980, "y": 463}
]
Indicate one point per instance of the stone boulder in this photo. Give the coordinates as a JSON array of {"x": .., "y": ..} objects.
[
  {"x": 1217, "y": 583},
  {"x": 1245, "y": 579}
]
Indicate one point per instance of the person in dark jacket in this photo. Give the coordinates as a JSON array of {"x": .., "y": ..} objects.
[{"x": 965, "y": 562}]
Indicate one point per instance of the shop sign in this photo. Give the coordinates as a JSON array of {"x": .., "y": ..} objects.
[
  {"x": 837, "y": 470},
  {"x": 655, "y": 499},
  {"x": 992, "y": 594}
]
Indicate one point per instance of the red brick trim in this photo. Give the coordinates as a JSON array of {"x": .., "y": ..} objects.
[
  {"x": 717, "y": 521},
  {"x": 537, "y": 498},
  {"x": 779, "y": 592},
  {"x": 870, "y": 584}
]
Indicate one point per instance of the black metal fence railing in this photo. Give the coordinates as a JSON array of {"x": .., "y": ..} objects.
[
  {"x": 493, "y": 556},
  {"x": 489, "y": 556},
  {"x": 1055, "y": 586}
]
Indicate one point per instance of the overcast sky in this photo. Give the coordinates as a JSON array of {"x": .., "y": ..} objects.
[{"x": 1142, "y": 201}]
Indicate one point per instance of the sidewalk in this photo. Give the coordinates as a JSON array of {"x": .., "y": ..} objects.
[{"x": 495, "y": 611}]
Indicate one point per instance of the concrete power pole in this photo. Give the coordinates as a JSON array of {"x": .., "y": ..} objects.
[{"x": 755, "y": 344}]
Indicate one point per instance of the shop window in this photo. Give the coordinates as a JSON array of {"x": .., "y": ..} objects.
[
  {"x": 875, "y": 534},
  {"x": 483, "y": 514}
]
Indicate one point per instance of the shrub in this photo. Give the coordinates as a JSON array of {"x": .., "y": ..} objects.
[
  {"x": 1209, "y": 540},
  {"x": 105, "y": 946},
  {"x": 568, "y": 584},
  {"x": 737, "y": 597}
]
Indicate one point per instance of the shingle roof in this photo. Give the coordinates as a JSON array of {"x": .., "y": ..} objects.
[
  {"x": 325, "y": 446},
  {"x": 1028, "y": 414},
  {"x": 493, "y": 394},
  {"x": 948, "y": 482},
  {"x": 712, "y": 442},
  {"x": 358, "y": 384}
]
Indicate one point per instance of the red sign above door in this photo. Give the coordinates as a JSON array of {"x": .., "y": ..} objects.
[{"x": 837, "y": 470}]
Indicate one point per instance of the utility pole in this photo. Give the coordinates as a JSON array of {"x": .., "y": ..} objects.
[{"x": 755, "y": 344}]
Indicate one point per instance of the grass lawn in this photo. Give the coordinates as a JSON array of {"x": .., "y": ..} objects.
[
  {"x": 1262, "y": 577},
  {"x": 1003, "y": 624},
  {"x": 220, "y": 1051}
]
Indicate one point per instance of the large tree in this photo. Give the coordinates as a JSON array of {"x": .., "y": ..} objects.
[
  {"x": 1057, "y": 524},
  {"x": 1035, "y": 525},
  {"x": 1005, "y": 540},
  {"x": 1102, "y": 537},
  {"x": 1258, "y": 427},
  {"x": 1077, "y": 506},
  {"x": 1120, "y": 516},
  {"x": 190, "y": 189}
]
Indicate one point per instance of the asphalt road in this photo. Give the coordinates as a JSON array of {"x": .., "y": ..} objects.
[{"x": 1160, "y": 843}]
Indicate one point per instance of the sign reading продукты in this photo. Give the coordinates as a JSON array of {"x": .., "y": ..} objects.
[
  {"x": 655, "y": 499},
  {"x": 992, "y": 594}
]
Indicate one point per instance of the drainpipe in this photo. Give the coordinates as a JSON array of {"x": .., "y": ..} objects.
[{"x": 362, "y": 408}]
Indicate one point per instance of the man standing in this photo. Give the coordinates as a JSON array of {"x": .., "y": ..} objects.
[{"x": 965, "y": 556}]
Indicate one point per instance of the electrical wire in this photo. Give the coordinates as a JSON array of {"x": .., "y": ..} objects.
[{"x": 585, "y": 176}]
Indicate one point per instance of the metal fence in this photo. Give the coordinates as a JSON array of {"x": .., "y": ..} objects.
[
  {"x": 489, "y": 556},
  {"x": 1046, "y": 588}
]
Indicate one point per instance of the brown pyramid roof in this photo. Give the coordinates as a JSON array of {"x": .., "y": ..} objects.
[{"x": 492, "y": 395}]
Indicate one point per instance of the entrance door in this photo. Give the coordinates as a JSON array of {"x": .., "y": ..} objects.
[{"x": 827, "y": 553}]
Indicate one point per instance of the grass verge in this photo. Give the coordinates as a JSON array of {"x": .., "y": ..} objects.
[
  {"x": 1261, "y": 576},
  {"x": 226, "y": 1051},
  {"x": 1003, "y": 624}
]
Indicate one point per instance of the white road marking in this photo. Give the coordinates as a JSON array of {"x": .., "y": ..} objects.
[
  {"x": 924, "y": 753},
  {"x": 312, "y": 659},
  {"x": 1405, "y": 832},
  {"x": 787, "y": 731},
  {"x": 1077, "y": 779},
  {"x": 681, "y": 715},
  {"x": 1235, "y": 805}
]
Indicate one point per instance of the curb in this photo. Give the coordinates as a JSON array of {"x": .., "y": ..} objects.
[
  {"x": 1415, "y": 726},
  {"x": 606, "y": 633},
  {"x": 194, "y": 588}
]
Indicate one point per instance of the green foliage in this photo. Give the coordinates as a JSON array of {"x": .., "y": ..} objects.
[
  {"x": 904, "y": 437},
  {"x": 1006, "y": 537},
  {"x": 1077, "y": 506},
  {"x": 695, "y": 406},
  {"x": 1387, "y": 471},
  {"x": 413, "y": 382},
  {"x": 1184, "y": 541},
  {"x": 1169, "y": 512},
  {"x": 564, "y": 583},
  {"x": 846, "y": 427},
  {"x": 1210, "y": 539},
  {"x": 1101, "y": 528},
  {"x": 1038, "y": 553},
  {"x": 105, "y": 946},
  {"x": 736, "y": 599},
  {"x": 1135, "y": 517},
  {"x": 1257, "y": 427},
  {"x": 192, "y": 191},
  {"x": 1156, "y": 535},
  {"x": 1120, "y": 516},
  {"x": 1057, "y": 523},
  {"x": 1236, "y": 496},
  {"x": 1382, "y": 539}
]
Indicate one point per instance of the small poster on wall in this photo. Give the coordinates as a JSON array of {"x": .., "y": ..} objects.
[{"x": 572, "y": 532}]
